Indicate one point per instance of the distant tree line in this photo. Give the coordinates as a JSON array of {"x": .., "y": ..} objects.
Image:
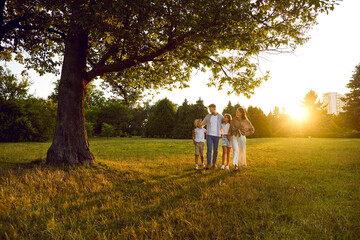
[{"x": 24, "y": 117}]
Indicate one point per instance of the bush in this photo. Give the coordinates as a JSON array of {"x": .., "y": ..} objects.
[
  {"x": 89, "y": 129},
  {"x": 27, "y": 120},
  {"x": 107, "y": 130},
  {"x": 352, "y": 134}
]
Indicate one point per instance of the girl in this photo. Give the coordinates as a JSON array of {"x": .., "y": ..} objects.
[
  {"x": 226, "y": 140},
  {"x": 240, "y": 127}
]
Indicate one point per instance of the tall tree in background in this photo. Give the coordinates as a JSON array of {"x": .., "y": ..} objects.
[
  {"x": 185, "y": 117},
  {"x": 312, "y": 103},
  {"x": 352, "y": 99},
  {"x": 162, "y": 119},
  {"x": 230, "y": 109},
  {"x": 316, "y": 114},
  {"x": 183, "y": 121},
  {"x": 199, "y": 109},
  {"x": 140, "y": 117},
  {"x": 161, "y": 38},
  {"x": 260, "y": 122},
  {"x": 281, "y": 124}
]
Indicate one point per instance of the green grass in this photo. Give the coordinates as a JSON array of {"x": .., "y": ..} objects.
[{"x": 147, "y": 189}]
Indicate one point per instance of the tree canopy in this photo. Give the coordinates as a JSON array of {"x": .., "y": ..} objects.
[
  {"x": 157, "y": 43},
  {"x": 161, "y": 122}
]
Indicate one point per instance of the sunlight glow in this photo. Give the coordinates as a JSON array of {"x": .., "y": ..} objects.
[{"x": 298, "y": 113}]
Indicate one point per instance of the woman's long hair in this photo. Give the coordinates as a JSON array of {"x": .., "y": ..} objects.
[{"x": 243, "y": 112}]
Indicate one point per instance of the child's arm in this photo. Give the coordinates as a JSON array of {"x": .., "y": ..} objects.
[{"x": 193, "y": 136}]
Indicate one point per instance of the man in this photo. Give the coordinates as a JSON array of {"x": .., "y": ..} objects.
[{"x": 213, "y": 122}]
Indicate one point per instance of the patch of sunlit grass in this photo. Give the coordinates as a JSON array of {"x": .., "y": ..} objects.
[{"x": 146, "y": 188}]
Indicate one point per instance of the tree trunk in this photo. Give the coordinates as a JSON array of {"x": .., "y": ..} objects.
[{"x": 70, "y": 143}]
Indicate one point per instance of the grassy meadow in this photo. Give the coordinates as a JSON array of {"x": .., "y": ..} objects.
[{"x": 147, "y": 189}]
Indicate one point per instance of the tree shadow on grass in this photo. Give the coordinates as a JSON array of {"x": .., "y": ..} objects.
[
  {"x": 22, "y": 165},
  {"x": 174, "y": 188},
  {"x": 188, "y": 191}
]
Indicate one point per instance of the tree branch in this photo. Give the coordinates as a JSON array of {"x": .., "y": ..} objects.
[
  {"x": 106, "y": 56},
  {"x": 122, "y": 65},
  {"x": 12, "y": 24},
  {"x": 223, "y": 68},
  {"x": 124, "y": 93},
  {"x": 52, "y": 30}
]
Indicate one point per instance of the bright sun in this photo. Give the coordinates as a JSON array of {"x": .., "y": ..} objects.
[{"x": 298, "y": 113}]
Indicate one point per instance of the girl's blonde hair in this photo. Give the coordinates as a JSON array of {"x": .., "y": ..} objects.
[
  {"x": 229, "y": 117},
  {"x": 196, "y": 122}
]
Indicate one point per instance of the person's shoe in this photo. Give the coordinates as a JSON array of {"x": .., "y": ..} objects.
[
  {"x": 227, "y": 167},
  {"x": 208, "y": 166},
  {"x": 222, "y": 167},
  {"x": 236, "y": 168},
  {"x": 202, "y": 165},
  {"x": 214, "y": 166},
  {"x": 196, "y": 167}
]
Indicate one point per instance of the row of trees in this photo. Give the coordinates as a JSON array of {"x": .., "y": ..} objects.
[
  {"x": 26, "y": 118},
  {"x": 22, "y": 116}
]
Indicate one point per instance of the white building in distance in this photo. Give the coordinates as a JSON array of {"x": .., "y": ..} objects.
[{"x": 333, "y": 102}]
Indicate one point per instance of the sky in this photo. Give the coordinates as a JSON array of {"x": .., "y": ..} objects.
[{"x": 324, "y": 64}]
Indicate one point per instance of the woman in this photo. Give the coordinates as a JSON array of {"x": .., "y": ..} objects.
[{"x": 240, "y": 127}]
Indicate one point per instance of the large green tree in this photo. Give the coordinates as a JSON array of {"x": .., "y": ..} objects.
[
  {"x": 158, "y": 38},
  {"x": 162, "y": 119},
  {"x": 317, "y": 118},
  {"x": 185, "y": 117},
  {"x": 260, "y": 122},
  {"x": 230, "y": 109},
  {"x": 281, "y": 124},
  {"x": 352, "y": 99}
]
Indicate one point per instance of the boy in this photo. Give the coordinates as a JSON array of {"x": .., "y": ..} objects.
[{"x": 198, "y": 139}]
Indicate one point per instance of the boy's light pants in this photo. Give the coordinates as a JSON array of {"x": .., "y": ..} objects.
[{"x": 239, "y": 150}]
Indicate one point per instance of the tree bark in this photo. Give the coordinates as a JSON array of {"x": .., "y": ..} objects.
[{"x": 70, "y": 143}]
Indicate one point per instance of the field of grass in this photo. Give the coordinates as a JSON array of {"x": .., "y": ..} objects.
[{"x": 147, "y": 189}]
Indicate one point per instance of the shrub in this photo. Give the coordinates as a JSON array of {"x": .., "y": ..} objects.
[
  {"x": 107, "y": 130},
  {"x": 89, "y": 129}
]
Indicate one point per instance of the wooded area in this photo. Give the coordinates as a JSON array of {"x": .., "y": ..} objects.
[{"x": 26, "y": 118}]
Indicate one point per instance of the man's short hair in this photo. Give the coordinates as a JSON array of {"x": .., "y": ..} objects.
[{"x": 212, "y": 105}]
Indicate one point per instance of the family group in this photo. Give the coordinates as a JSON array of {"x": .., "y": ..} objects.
[{"x": 232, "y": 132}]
